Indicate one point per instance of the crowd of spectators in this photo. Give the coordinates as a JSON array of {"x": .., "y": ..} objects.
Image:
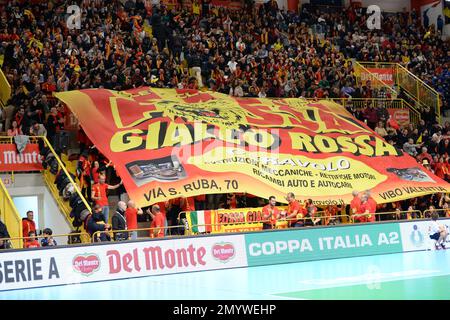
[{"x": 257, "y": 51}]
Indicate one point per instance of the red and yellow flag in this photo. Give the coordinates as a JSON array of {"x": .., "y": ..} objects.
[{"x": 168, "y": 143}]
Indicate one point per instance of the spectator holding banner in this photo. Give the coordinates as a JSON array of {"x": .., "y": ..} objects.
[
  {"x": 311, "y": 211},
  {"x": 157, "y": 225},
  {"x": 100, "y": 196},
  {"x": 355, "y": 206},
  {"x": 294, "y": 211},
  {"x": 368, "y": 208},
  {"x": 372, "y": 206},
  {"x": 131, "y": 217},
  {"x": 270, "y": 214}
]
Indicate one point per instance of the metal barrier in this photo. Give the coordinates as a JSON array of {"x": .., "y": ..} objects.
[
  {"x": 22, "y": 240},
  {"x": 421, "y": 92},
  {"x": 361, "y": 72},
  {"x": 49, "y": 178},
  {"x": 442, "y": 213},
  {"x": 112, "y": 232},
  {"x": 10, "y": 216},
  {"x": 397, "y": 215},
  {"x": 362, "y": 103},
  {"x": 279, "y": 224},
  {"x": 282, "y": 223}
]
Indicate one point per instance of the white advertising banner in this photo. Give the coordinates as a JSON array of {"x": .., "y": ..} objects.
[
  {"x": 56, "y": 266},
  {"x": 416, "y": 236}
]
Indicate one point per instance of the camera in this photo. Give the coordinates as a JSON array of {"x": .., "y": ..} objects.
[
  {"x": 49, "y": 160},
  {"x": 79, "y": 211}
]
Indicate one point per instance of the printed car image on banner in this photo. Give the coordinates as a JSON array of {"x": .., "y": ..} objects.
[{"x": 167, "y": 143}]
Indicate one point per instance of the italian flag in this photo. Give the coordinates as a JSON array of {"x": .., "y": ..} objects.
[{"x": 200, "y": 221}]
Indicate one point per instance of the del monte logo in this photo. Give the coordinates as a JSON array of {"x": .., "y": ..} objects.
[
  {"x": 86, "y": 264},
  {"x": 223, "y": 251}
]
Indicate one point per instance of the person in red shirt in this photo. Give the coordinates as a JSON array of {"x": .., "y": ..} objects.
[
  {"x": 311, "y": 211},
  {"x": 100, "y": 197},
  {"x": 32, "y": 241},
  {"x": 440, "y": 168},
  {"x": 270, "y": 214},
  {"x": 294, "y": 211},
  {"x": 187, "y": 204},
  {"x": 355, "y": 206},
  {"x": 231, "y": 201},
  {"x": 157, "y": 224},
  {"x": 84, "y": 174},
  {"x": 95, "y": 172},
  {"x": 371, "y": 207},
  {"x": 131, "y": 217},
  {"x": 367, "y": 209},
  {"x": 330, "y": 215},
  {"x": 28, "y": 224},
  {"x": 163, "y": 207},
  {"x": 363, "y": 208},
  {"x": 393, "y": 123}
]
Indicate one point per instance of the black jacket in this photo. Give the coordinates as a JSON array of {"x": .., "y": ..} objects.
[
  {"x": 3, "y": 231},
  {"x": 119, "y": 222},
  {"x": 4, "y": 234},
  {"x": 91, "y": 223}
]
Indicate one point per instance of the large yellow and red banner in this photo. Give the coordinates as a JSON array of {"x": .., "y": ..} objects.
[{"x": 167, "y": 143}]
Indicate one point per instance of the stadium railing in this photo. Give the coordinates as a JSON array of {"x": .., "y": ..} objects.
[
  {"x": 417, "y": 89},
  {"x": 63, "y": 205},
  {"x": 21, "y": 240},
  {"x": 49, "y": 179},
  {"x": 441, "y": 212},
  {"x": 167, "y": 232},
  {"x": 10, "y": 217},
  {"x": 394, "y": 215},
  {"x": 395, "y": 103},
  {"x": 184, "y": 230}
]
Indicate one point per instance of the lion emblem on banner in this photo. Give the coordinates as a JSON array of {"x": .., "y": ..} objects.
[{"x": 217, "y": 112}]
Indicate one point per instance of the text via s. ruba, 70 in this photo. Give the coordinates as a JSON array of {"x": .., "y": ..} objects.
[{"x": 225, "y": 185}]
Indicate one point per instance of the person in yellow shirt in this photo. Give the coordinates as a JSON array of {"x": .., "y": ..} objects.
[
  {"x": 278, "y": 45},
  {"x": 196, "y": 7}
]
